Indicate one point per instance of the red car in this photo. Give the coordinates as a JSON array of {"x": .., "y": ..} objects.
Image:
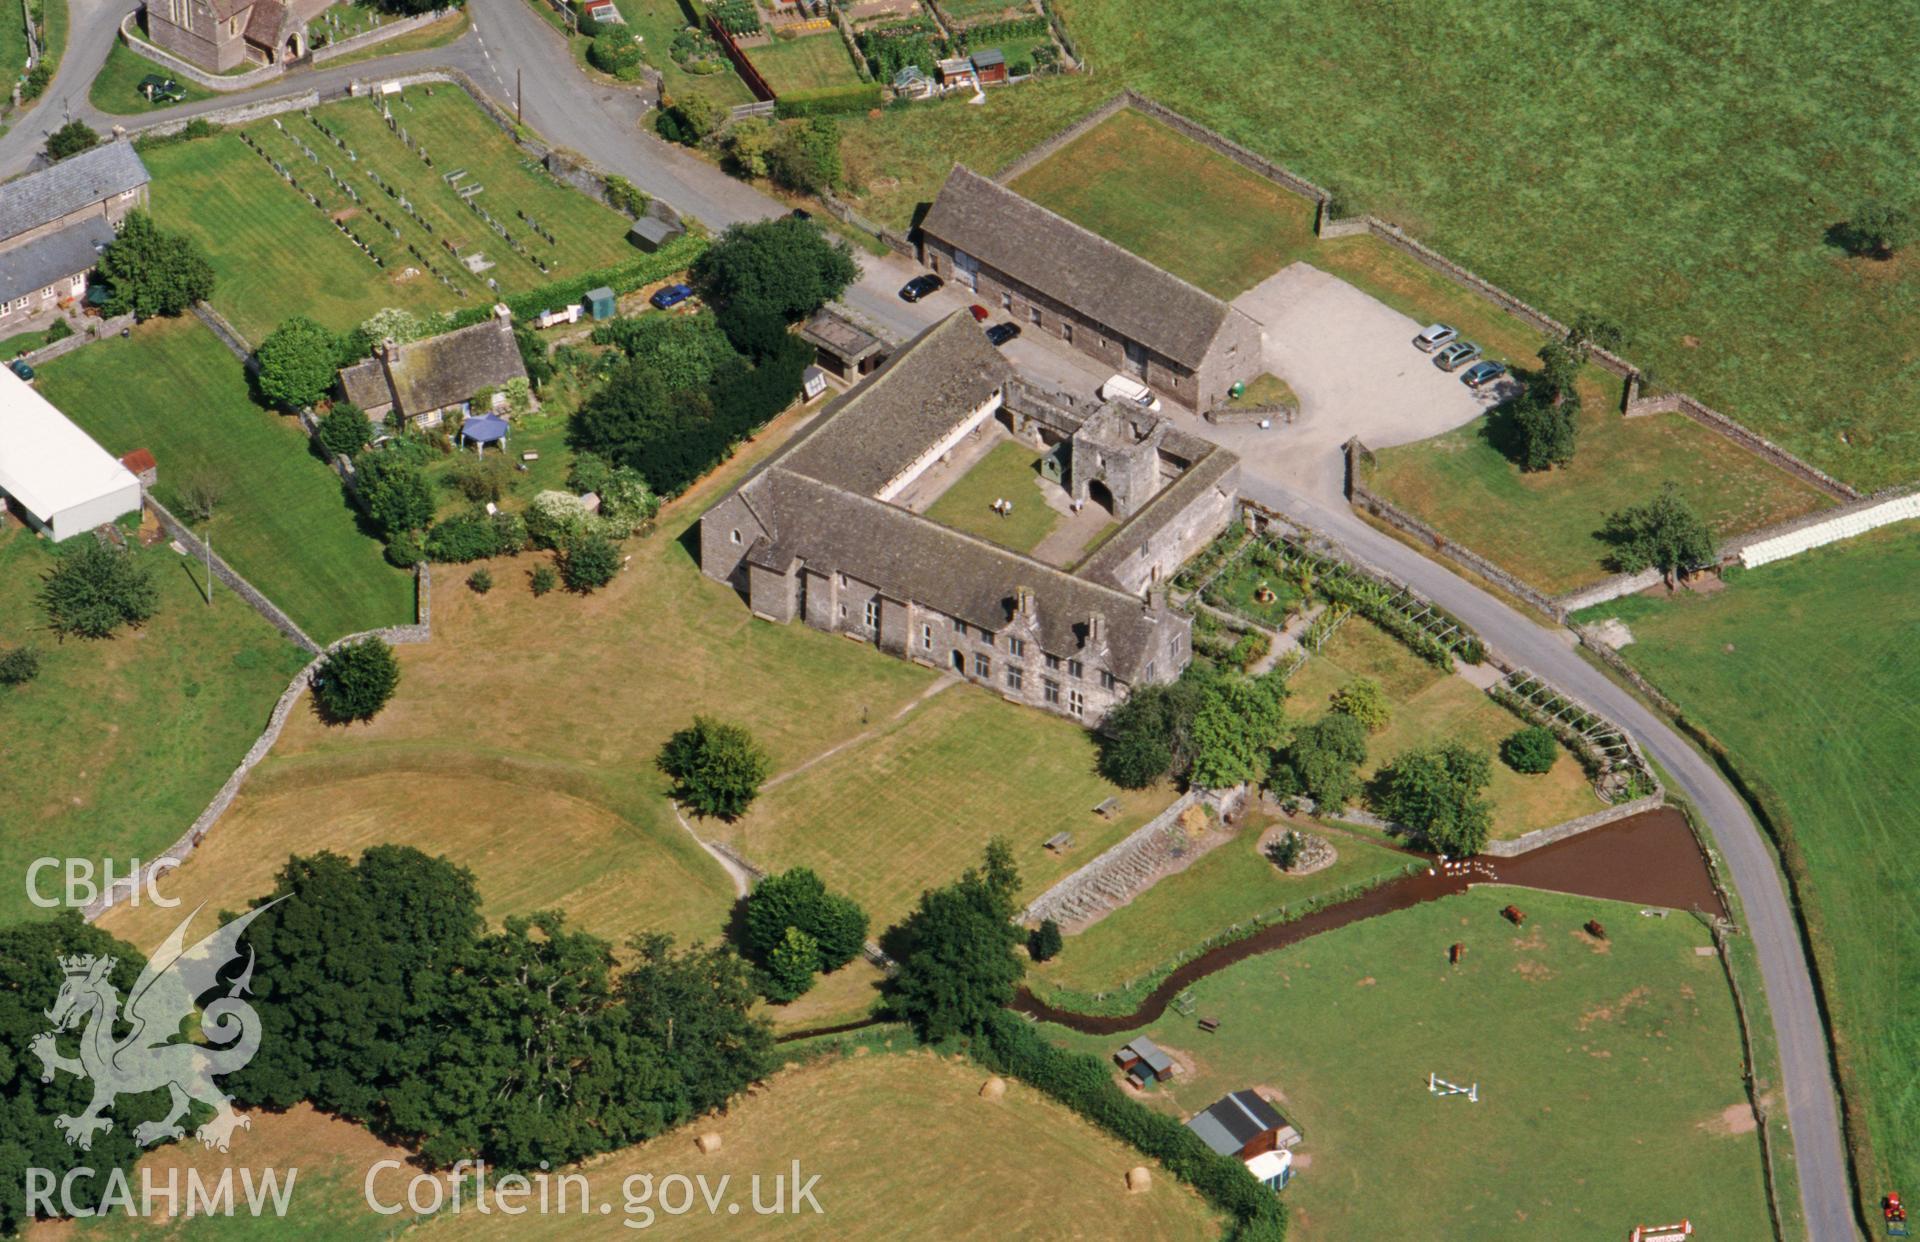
[{"x": 980, "y": 313}]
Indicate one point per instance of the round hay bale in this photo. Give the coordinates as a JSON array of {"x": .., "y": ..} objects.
[
  {"x": 708, "y": 1143},
  {"x": 993, "y": 1088},
  {"x": 1139, "y": 1180}
]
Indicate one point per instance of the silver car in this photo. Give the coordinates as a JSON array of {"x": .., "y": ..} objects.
[
  {"x": 1433, "y": 336},
  {"x": 1456, "y": 355}
]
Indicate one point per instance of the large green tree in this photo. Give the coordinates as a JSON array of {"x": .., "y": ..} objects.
[
  {"x": 1437, "y": 792},
  {"x": 150, "y": 272},
  {"x": 784, "y": 267},
  {"x": 393, "y": 491},
  {"x": 1322, "y": 762},
  {"x": 356, "y": 680},
  {"x": 71, "y": 139},
  {"x": 717, "y": 767},
  {"x": 799, "y": 898},
  {"x": 1150, "y": 734},
  {"x": 1666, "y": 533},
  {"x": 298, "y": 361},
  {"x": 92, "y": 590},
  {"x": 689, "y": 1013},
  {"x": 957, "y": 951},
  {"x": 1236, "y": 731},
  {"x": 680, "y": 351},
  {"x": 806, "y": 156}
]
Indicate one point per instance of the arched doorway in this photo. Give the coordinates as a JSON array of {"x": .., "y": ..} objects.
[
  {"x": 1100, "y": 494},
  {"x": 959, "y": 661},
  {"x": 294, "y": 49}
]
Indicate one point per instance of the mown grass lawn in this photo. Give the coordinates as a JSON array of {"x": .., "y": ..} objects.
[
  {"x": 1644, "y": 164},
  {"x": 1609, "y": 1074},
  {"x": 116, "y": 90},
  {"x": 127, "y": 737},
  {"x": 1809, "y": 671},
  {"x": 282, "y": 520},
  {"x": 1430, "y": 707},
  {"x": 1032, "y": 1168},
  {"x": 1232, "y": 884},
  {"x": 914, "y": 806},
  {"x": 807, "y": 63},
  {"x": 275, "y": 254},
  {"x": 1010, "y": 471}
]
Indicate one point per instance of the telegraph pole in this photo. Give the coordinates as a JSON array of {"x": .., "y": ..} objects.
[{"x": 518, "y": 99}]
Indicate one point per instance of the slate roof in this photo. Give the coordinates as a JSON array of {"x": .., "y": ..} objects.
[
  {"x": 902, "y": 409},
  {"x": 1149, "y": 1052},
  {"x": 1234, "y": 1121},
  {"x": 448, "y": 369},
  {"x": 365, "y": 384},
  {"x": 1079, "y": 268},
  {"x": 77, "y": 182},
  {"x": 910, "y": 557},
  {"x": 263, "y": 24},
  {"x": 76, "y": 248},
  {"x": 1209, "y": 471}
]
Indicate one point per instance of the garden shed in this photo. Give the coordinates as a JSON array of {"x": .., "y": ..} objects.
[
  {"x": 1144, "y": 1062},
  {"x": 990, "y": 66},
  {"x": 650, "y": 234},
  {"x": 601, "y": 303}
]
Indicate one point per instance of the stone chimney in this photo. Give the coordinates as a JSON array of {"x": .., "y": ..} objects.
[
  {"x": 1024, "y": 608},
  {"x": 1096, "y": 632},
  {"x": 502, "y": 312}
]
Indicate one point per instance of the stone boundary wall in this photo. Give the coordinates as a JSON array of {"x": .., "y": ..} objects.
[
  {"x": 228, "y": 335},
  {"x": 1080, "y": 882},
  {"x": 238, "y": 114},
  {"x": 1049, "y": 146},
  {"x": 1378, "y": 506},
  {"x": 254, "y": 597},
  {"x": 1603, "y": 592},
  {"x": 1528, "y": 842},
  {"x": 896, "y": 242},
  {"x": 1713, "y": 420},
  {"x": 98, "y": 330},
  {"x": 369, "y": 38},
  {"x": 419, "y": 632}
]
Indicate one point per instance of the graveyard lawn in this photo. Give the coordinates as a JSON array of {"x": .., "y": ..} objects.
[
  {"x": 1608, "y": 1073},
  {"x": 275, "y": 254}
]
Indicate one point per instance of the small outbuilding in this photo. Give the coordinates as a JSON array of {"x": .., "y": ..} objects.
[
  {"x": 989, "y": 66},
  {"x": 57, "y": 477},
  {"x": 957, "y": 73},
  {"x": 912, "y": 82},
  {"x": 649, "y": 233},
  {"x": 841, "y": 346},
  {"x": 601, "y": 304},
  {"x": 1145, "y": 1062},
  {"x": 141, "y": 464},
  {"x": 1244, "y": 1125}
]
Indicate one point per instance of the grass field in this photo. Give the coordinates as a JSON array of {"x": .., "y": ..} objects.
[
  {"x": 985, "y": 1169},
  {"x": 1545, "y": 526},
  {"x": 1191, "y": 210},
  {"x": 807, "y": 63},
  {"x": 915, "y": 805},
  {"x": 128, "y": 736},
  {"x": 1809, "y": 671},
  {"x": 1609, "y": 1074},
  {"x": 1233, "y": 883},
  {"x": 657, "y": 22},
  {"x": 282, "y": 521},
  {"x": 1010, "y": 470},
  {"x": 115, "y": 88},
  {"x": 235, "y": 205},
  {"x": 1430, "y": 707},
  {"x": 1521, "y": 182}
]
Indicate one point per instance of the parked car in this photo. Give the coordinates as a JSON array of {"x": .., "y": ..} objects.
[
  {"x": 1000, "y": 333},
  {"x": 919, "y": 287},
  {"x": 1480, "y": 374},
  {"x": 1456, "y": 355},
  {"x": 1433, "y": 336},
  {"x": 20, "y": 367},
  {"x": 671, "y": 296},
  {"x": 1120, "y": 388},
  {"x": 980, "y": 313}
]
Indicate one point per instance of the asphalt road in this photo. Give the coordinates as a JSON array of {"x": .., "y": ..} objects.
[{"x": 511, "y": 46}]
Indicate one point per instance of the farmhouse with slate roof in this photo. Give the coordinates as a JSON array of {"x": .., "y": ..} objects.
[
  {"x": 425, "y": 380},
  {"x": 818, "y": 534},
  {"x": 1049, "y": 273},
  {"x": 218, "y": 35},
  {"x": 54, "y": 224}
]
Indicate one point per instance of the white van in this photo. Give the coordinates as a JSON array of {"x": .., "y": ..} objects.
[{"x": 1120, "y": 388}]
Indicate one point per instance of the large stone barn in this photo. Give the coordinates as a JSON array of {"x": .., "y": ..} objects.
[
  {"x": 1051, "y": 275},
  {"x": 823, "y": 533}
]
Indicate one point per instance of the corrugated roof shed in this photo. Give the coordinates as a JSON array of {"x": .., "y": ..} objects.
[
  {"x": 1079, "y": 268},
  {"x": 1235, "y": 1120},
  {"x": 75, "y": 182}
]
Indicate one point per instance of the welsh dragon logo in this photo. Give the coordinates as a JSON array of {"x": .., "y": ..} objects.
[{"x": 153, "y": 1052}]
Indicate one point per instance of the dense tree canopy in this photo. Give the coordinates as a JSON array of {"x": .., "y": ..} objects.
[
  {"x": 71, "y": 139},
  {"x": 298, "y": 361},
  {"x": 356, "y": 680},
  {"x": 957, "y": 951},
  {"x": 149, "y": 272},
  {"x": 1436, "y": 791},
  {"x": 1236, "y": 731},
  {"x": 1666, "y": 533},
  {"x": 717, "y": 767},
  {"x": 345, "y": 430},
  {"x": 835, "y": 925},
  {"x": 1531, "y": 750},
  {"x": 1150, "y": 734},
  {"x": 785, "y": 267},
  {"x": 393, "y": 491},
  {"x": 93, "y": 590},
  {"x": 1322, "y": 761},
  {"x": 806, "y": 156}
]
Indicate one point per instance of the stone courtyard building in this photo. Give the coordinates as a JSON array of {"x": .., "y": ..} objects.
[
  {"x": 427, "y": 380},
  {"x": 818, "y": 534},
  {"x": 1051, "y": 275},
  {"x": 53, "y": 225},
  {"x": 218, "y": 35}
]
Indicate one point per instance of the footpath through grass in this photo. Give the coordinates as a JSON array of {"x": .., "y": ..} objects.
[
  {"x": 1809, "y": 671},
  {"x": 1627, "y": 161},
  {"x": 119, "y": 743},
  {"x": 282, "y": 520},
  {"x": 1609, "y": 1073}
]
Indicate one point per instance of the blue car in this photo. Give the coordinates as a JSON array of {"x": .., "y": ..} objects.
[
  {"x": 20, "y": 367},
  {"x": 671, "y": 296}
]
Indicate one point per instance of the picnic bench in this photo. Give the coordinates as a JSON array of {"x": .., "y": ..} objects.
[
  {"x": 1209, "y": 1025},
  {"x": 1107, "y": 809},
  {"x": 1060, "y": 842}
]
